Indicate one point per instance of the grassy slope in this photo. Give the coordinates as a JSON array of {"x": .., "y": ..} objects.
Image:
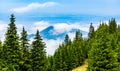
[{"x": 82, "y": 68}]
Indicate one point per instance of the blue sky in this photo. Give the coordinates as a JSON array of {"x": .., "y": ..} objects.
[
  {"x": 101, "y": 7},
  {"x": 63, "y": 15},
  {"x": 24, "y": 10}
]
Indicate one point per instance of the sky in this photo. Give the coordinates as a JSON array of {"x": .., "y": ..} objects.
[{"x": 63, "y": 15}]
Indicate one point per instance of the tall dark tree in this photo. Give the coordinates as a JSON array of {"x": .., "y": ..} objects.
[
  {"x": 112, "y": 25},
  {"x": 11, "y": 47},
  {"x": 24, "y": 41},
  {"x": 91, "y": 31},
  {"x": 25, "y": 49},
  {"x": 67, "y": 40},
  {"x": 78, "y": 35},
  {"x": 38, "y": 54},
  {"x": 79, "y": 47}
]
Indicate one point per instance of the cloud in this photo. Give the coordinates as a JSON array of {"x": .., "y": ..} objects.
[
  {"x": 71, "y": 35},
  {"x": 59, "y": 28},
  {"x": 3, "y": 27},
  {"x": 40, "y": 25},
  {"x": 33, "y": 6},
  {"x": 19, "y": 28},
  {"x": 66, "y": 27},
  {"x": 52, "y": 45}
]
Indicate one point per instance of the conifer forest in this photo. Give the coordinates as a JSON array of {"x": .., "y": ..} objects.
[{"x": 101, "y": 48}]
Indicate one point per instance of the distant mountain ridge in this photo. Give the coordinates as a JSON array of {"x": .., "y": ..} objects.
[{"x": 48, "y": 33}]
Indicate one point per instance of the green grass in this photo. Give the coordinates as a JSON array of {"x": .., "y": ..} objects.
[{"x": 83, "y": 67}]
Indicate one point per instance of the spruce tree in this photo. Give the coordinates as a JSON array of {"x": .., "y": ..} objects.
[
  {"x": 24, "y": 41},
  {"x": 91, "y": 31},
  {"x": 112, "y": 26},
  {"x": 11, "y": 47},
  {"x": 38, "y": 54},
  {"x": 79, "y": 47},
  {"x": 67, "y": 41},
  {"x": 25, "y": 49},
  {"x": 78, "y": 35}
]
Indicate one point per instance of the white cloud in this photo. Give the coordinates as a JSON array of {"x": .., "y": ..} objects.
[
  {"x": 118, "y": 23},
  {"x": 59, "y": 27},
  {"x": 3, "y": 27},
  {"x": 40, "y": 25},
  {"x": 66, "y": 27},
  {"x": 52, "y": 45},
  {"x": 19, "y": 28},
  {"x": 71, "y": 35},
  {"x": 33, "y": 6}
]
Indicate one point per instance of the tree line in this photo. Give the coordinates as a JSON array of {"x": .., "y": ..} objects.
[{"x": 101, "y": 48}]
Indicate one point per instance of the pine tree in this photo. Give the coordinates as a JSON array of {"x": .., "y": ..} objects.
[
  {"x": 24, "y": 41},
  {"x": 25, "y": 49},
  {"x": 38, "y": 54},
  {"x": 11, "y": 47},
  {"x": 91, "y": 31},
  {"x": 67, "y": 41},
  {"x": 79, "y": 48},
  {"x": 58, "y": 60},
  {"x": 78, "y": 35},
  {"x": 112, "y": 26}
]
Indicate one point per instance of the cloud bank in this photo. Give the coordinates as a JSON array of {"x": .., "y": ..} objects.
[
  {"x": 40, "y": 25},
  {"x": 52, "y": 45},
  {"x": 58, "y": 28},
  {"x": 33, "y": 6},
  {"x": 66, "y": 27}
]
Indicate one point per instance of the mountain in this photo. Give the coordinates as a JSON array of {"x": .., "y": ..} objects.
[{"x": 48, "y": 33}]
